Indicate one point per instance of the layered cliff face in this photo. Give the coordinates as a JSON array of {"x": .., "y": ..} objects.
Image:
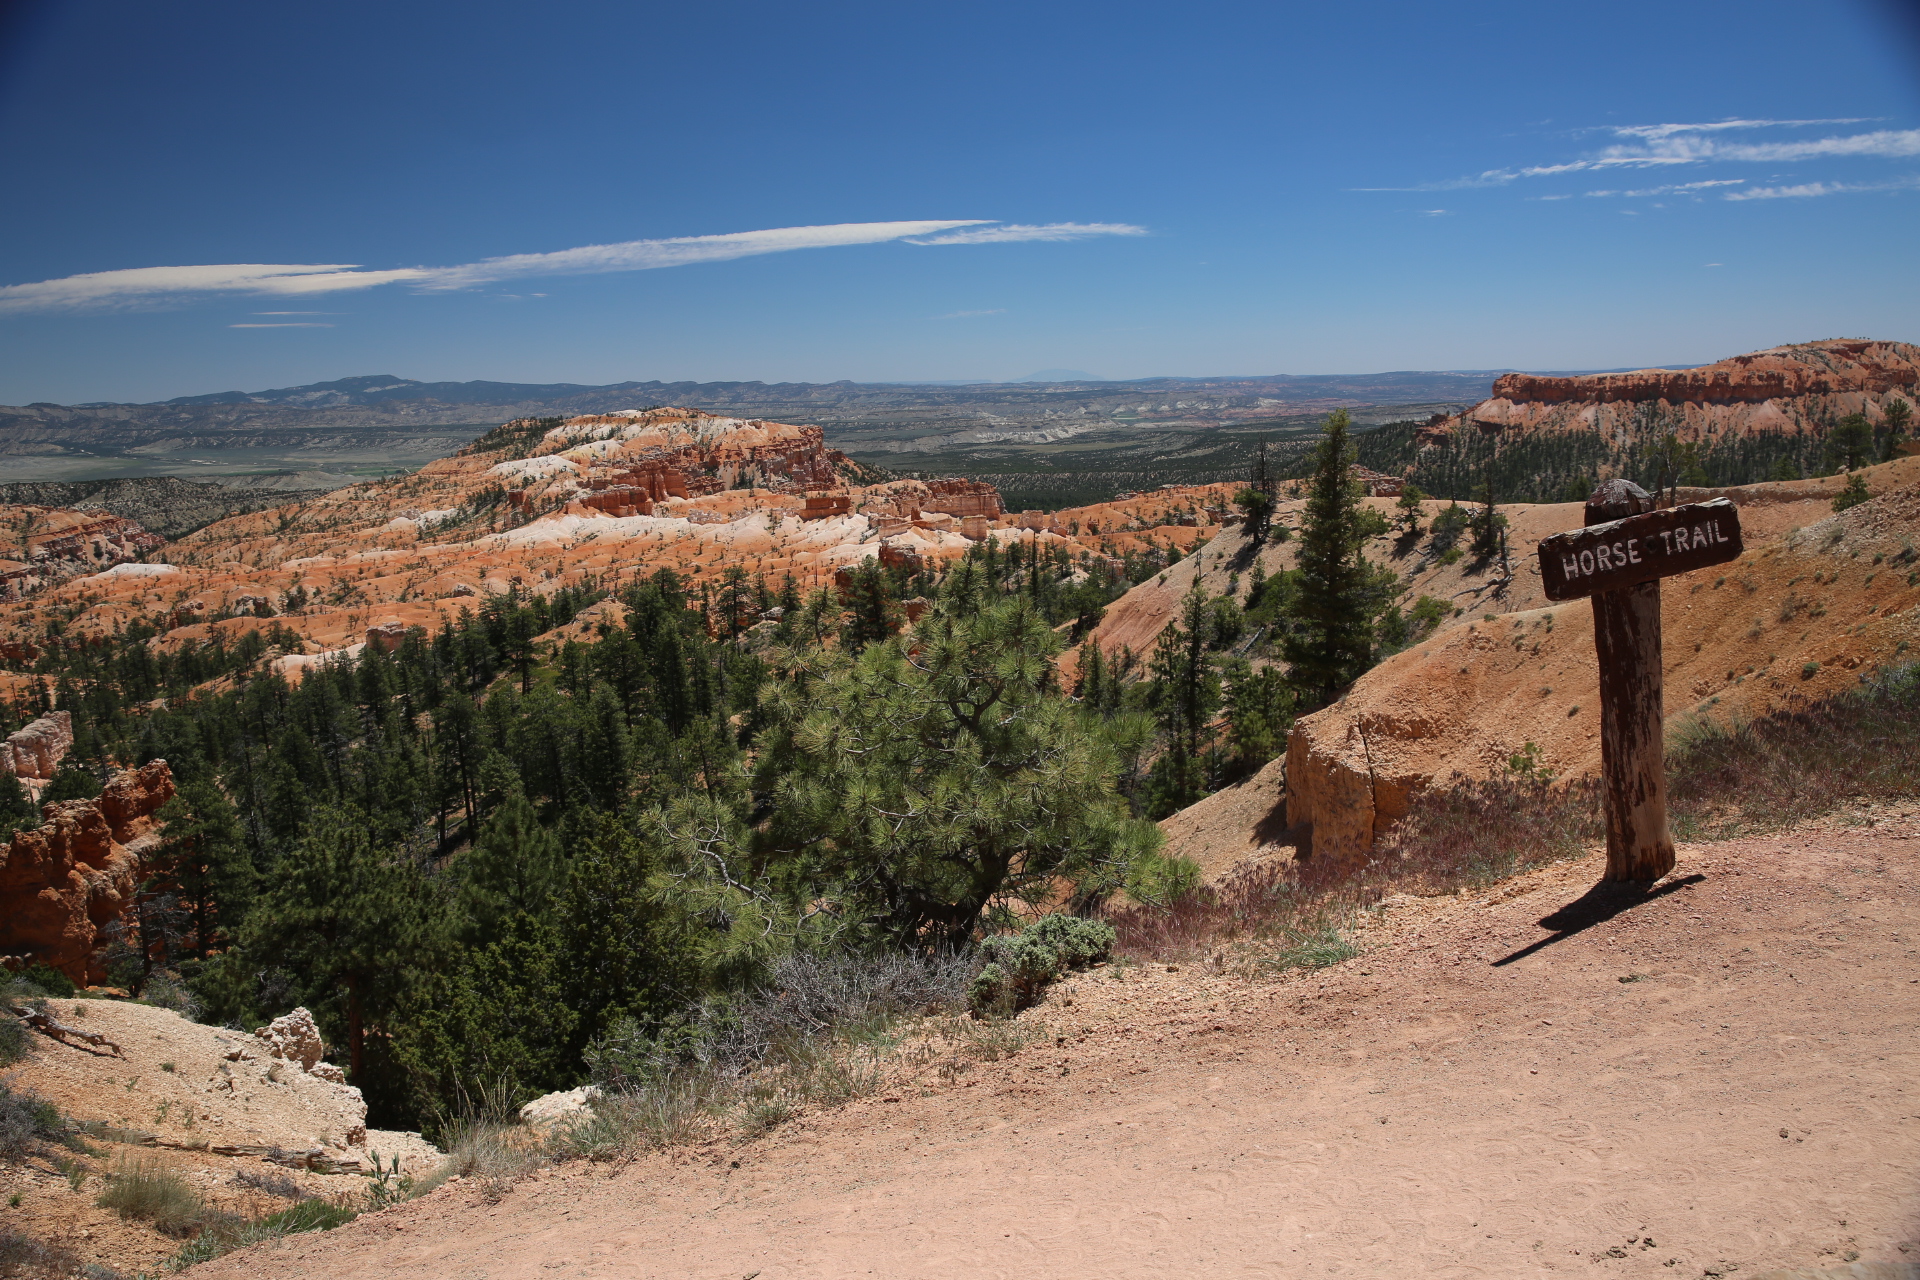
[
  {"x": 1796, "y": 389},
  {"x": 63, "y": 883}
]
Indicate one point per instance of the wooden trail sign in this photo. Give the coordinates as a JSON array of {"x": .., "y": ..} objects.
[
  {"x": 1639, "y": 548},
  {"x": 1618, "y": 560}
]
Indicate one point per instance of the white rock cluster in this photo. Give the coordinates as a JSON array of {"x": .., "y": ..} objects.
[
  {"x": 293, "y": 1043},
  {"x": 556, "y": 1107}
]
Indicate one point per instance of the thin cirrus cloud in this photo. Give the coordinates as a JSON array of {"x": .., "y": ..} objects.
[
  {"x": 1666, "y": 145},
  {"x": 285, "y": 324},
  {"x": 1809, "y": 190},
  {"x": 147, "y": 286}
]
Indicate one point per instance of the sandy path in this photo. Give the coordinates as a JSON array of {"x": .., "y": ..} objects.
[{"x": 1420, "y": 1111}]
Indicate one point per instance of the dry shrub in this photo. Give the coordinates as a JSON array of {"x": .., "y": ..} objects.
[
  {"x": 1466, "y": 835},
  {"x": 30, "y": 1259},
  {"x": 151, "y": 1192},
  {"x": 1800, "y": 761}
]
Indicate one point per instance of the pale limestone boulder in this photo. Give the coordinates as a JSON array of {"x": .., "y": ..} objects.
[{"x": 557, "y": 1107}]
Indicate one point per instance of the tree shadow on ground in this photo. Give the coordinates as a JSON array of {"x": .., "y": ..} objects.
[{"x": 1596, "y": 906}]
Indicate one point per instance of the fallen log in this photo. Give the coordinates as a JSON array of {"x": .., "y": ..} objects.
[{"x": 47, "y": 1024}]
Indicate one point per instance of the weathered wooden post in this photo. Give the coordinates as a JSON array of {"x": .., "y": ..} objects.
[{"x": 1618, "y": 560}]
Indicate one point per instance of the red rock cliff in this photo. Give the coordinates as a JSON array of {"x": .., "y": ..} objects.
[
  {"x": 1796, "y": 388},
  {"x": 63, "y": 883}
]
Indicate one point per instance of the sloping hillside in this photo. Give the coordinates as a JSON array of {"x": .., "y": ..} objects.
[{"x": 1802, "y": 613}]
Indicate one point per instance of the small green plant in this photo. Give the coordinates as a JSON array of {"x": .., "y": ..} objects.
[
  {"x": 1526, "y": 766},
  {"x": 1853, "y": 495},
  {"x": 1020, "y": 966},
  {"x": 13, "y": 1201},
  {"x": 386, "y": 1185},
  {"x": 1809, "y": 670},
  {"x": 167, "y": 1067}
]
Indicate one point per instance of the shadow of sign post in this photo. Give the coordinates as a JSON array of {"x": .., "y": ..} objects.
[{"x": 1618, "y": 561}]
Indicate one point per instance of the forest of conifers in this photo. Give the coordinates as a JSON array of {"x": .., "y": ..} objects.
[{"x": 476, "y": 855}]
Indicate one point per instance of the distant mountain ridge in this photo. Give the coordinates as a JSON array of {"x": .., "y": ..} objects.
[{"x": 384, "y": 422}]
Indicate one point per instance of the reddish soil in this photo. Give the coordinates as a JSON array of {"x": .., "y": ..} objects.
[{"x": 1718, "y": 1080}]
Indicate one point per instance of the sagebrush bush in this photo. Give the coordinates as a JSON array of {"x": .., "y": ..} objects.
[
  {"x": 1019, "y": 966},
  {"x": 24, "y": 1256}
]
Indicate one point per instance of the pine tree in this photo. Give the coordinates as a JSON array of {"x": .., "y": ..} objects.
[
  {"x": 16, "y": 810},
  {"x": 513, "y": 867},
  {"x": 918, "y": 793},
  {"x": 203, "y": 859},
  {"x": 1332, "y": 640},
  {"x": 349, "y": 924}
]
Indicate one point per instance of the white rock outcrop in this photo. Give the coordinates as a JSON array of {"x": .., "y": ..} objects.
[
  {"x": 37, "y": 750},
  {"x": 296, "y": 1037},
  {"x": 296, "y": 1057},
  {"x": 556, "y": 1107}
]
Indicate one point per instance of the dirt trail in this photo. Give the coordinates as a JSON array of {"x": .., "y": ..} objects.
[{"x": 1476, "y": 1095}]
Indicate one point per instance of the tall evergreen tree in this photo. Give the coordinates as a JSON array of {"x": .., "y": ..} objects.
[
  {"x": 1331, "y": 643},
  {"x": 203, "y": 859}
]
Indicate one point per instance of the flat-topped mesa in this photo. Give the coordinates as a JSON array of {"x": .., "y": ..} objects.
[
  {"x": 1795, "y": 389},
  {"x": 654, "y": 453}
]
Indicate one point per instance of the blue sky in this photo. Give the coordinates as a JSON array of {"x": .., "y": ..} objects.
[{"x": 1129, "y": 189}]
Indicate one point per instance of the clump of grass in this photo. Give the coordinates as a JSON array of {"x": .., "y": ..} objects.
[
  {"x": 223, "y": 1233},
  {"x": 150, "y": 1192},
  {"x": 494, "y": 1151}
]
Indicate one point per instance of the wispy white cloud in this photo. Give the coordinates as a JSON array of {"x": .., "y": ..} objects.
[
  {"x": 155, "y": 285},
  {"x": 285, "y": 324},
  {"x": 1431, "y": 213},
  {"x": 294, "y": 313},
  {"x": 1654, "y": 146},
  {"x": 1007, "y": 233},
  {"x": 963, "y": 315},
  {"x": 1655, "y": 132},
  {"x": 1806, "y": 190},
  {"x": 1678, "y": 188}
]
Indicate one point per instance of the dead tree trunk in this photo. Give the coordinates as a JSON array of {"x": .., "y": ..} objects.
[{"x": 1626, "y": 634}]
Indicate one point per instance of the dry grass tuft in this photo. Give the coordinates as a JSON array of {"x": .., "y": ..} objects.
[{"x": 150, "y": 1192}]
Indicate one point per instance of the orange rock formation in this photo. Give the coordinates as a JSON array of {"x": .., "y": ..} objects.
[
  {"x": 63, "y": 883},
  {"x": 534, "y": 506}
]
